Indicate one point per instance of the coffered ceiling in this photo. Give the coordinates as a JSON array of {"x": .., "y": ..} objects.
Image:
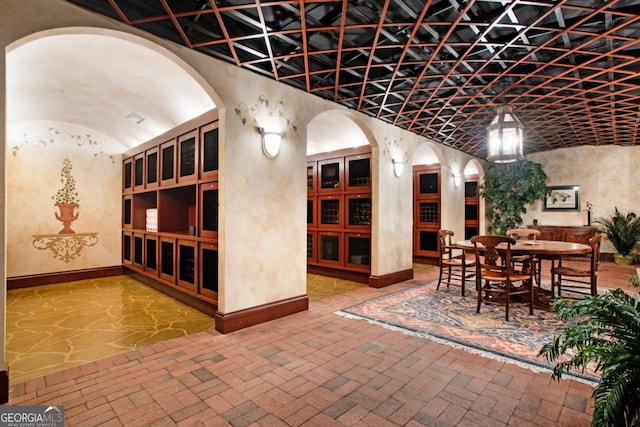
[{"x": 436, "y": 68}]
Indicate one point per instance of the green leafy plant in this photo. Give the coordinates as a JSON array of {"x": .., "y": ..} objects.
[
  {"x": 508, "y": 188},
  {"x": 622, "y": 230},
  {"x": 67, "y": 193},
  {"x": 607, "y": 336}
]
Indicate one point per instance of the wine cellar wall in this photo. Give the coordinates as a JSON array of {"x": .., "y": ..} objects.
[
  {"x": 471, "y": 206},
  {"x": 170, "y": 210},
  {"x": 339, "y": 211},
  {"x": 426, "y": 212}
]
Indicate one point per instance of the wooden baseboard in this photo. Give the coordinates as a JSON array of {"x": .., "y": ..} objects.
[
  {"x": 426, "y": 260},
  {"x": 4, "y": 386},
  {"x": 200, "y": 305},
  {"x": 229, "y": 322},
  {"x": 390, "y": 279},
  {"x": 63, "y": 276},
  {"x": 354, "y": 276}
]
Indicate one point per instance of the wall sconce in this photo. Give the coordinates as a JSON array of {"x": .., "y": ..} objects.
[
  {"x": 505, "y": 136},
  {"x": 270, "y": 142},
  {"x": 398, "y": 166},
  {"x": 456, "y": 180}
]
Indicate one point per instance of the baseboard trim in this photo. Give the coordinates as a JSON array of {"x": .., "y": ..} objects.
[
  {"x": 390, "y": 279},
  {"x": 203, "y": 306},
  {"x": 354, "y": 276},
  {"x": 4, "y": 386},
  {"x": 230, "y": 322},
  {"x": 426, "y": 260},
  {"x": 63, "y": 276}
]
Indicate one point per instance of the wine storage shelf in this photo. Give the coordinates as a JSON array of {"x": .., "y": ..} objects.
[
  {"x": 170, "y": 209},
  {"x": 339, "y": 210}
]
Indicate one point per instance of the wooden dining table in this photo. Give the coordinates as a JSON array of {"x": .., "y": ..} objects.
[
  {"x": 538, "y": 247},
  {"x": 546, "y": 248}
]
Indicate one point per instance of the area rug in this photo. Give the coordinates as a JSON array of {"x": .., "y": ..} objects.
[{"x": 445, "y": 316}]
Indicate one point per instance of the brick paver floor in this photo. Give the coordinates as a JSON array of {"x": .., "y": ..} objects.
[{"x": 314, "y": 368}]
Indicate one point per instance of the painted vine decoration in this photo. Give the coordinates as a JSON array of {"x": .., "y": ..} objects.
[
  {"x": 56, "y": 135},
  {"x": 260, "y": 108}
]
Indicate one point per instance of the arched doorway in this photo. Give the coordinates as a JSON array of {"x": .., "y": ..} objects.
[
  {"x": 340, "y": 196},
  {"x": 427, "y": 208},
  {"x": 473, "y": 204},
  {"x": 69, "y": 102}
]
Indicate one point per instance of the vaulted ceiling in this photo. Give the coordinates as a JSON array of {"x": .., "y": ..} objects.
[{"x": 437, "y": 68}]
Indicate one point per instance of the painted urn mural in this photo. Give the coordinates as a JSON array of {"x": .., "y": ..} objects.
[
  {"x": 67, "y": 244},
  {"x": 66, "y": 198}
]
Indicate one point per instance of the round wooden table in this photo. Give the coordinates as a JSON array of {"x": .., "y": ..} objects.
[
  {"x": 546, "y": 248},
  {"x": 538, "y": 247}
]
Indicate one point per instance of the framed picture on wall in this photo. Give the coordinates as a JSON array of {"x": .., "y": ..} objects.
[{"x": 562, "y": 198}]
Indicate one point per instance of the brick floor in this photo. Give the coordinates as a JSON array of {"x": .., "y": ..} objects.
[{"x": 313, "y": 368}]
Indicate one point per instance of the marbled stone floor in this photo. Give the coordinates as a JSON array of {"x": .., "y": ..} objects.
[{"x": 54, "y": 327}]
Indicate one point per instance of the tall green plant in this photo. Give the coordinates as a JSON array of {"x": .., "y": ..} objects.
[
  {"x": 508, "y": 188},
  {"x": 607, "y": 336},
  {"x": 622, "y": 230}
]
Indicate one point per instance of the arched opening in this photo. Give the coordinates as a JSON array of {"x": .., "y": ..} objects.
[
  {"x": 427, "y": 203},
  {"x": 72, "y": 110},
  {"x": 341, "y": 196},
  {"x": 473, "y": 203}
]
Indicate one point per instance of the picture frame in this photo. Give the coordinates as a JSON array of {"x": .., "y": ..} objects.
[{"x": 562, "y": 198}]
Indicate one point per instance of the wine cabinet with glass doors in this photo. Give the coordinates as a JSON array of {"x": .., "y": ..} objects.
[
  {"x": 170, "y": 211},
  {"x": 339, "y": 212}
]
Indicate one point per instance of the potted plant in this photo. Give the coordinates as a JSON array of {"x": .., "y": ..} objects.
[
  {"x": 623, "y": 231},
  {"x": 606, "y": 336},
  {"x": 508, "y": 188}
]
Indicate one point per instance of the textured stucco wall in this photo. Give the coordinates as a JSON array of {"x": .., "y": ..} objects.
[
  {"x": 607, "y": 177},
  {"x": 33, "y": 168}
]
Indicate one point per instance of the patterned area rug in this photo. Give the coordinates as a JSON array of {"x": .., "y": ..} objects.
[{"x": 445, "y": 316}]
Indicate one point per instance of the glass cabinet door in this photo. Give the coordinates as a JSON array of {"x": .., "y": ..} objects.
[
  {"x": 187, "y": 157},
  {"x": 168, "y": 163},
  {"x": 209, "y": 210},
  {"x": 209, "y": 149},
  {"x": 187, "y": 264}
]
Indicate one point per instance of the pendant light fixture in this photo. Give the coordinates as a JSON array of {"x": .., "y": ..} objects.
[{"x": 505, "y": 135}]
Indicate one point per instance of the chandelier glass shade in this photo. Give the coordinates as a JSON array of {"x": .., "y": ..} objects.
[{"x": 505, "y": 135}]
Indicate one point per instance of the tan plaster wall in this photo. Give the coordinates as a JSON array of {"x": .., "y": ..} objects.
[
  {"x": 607, "y": 177},
  {"x": 33, "y": 177}
]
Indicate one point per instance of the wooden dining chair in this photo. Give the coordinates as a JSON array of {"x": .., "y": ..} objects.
[
  {"x": 453, "y": 261},
  {"x": 524, "y": 263},
  {"x": 580, "y": 276},
  {"x": 497, "y": 281}
]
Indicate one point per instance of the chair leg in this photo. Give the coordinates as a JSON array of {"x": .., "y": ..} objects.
[
  {"x": 508, "y": 299},
  {"x": 449, "y": 276},
  {"x": 440, "y": 276},
  {"x": 479, "y": 286},
  {"x": 559, "y": 285},
  {"x": 532, "y": 295},
  {"x": 463, "y": 279}
]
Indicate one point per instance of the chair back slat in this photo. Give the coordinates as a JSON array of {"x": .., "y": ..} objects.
[{"x": 488, "y": 256}]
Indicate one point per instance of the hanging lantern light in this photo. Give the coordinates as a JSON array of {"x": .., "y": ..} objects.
[{"x": 505, "y": 136}]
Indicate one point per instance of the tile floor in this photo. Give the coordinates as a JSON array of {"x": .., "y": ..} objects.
[
  {"x": 313, "y": 368},
  {"x": 53, "y": 327}
]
